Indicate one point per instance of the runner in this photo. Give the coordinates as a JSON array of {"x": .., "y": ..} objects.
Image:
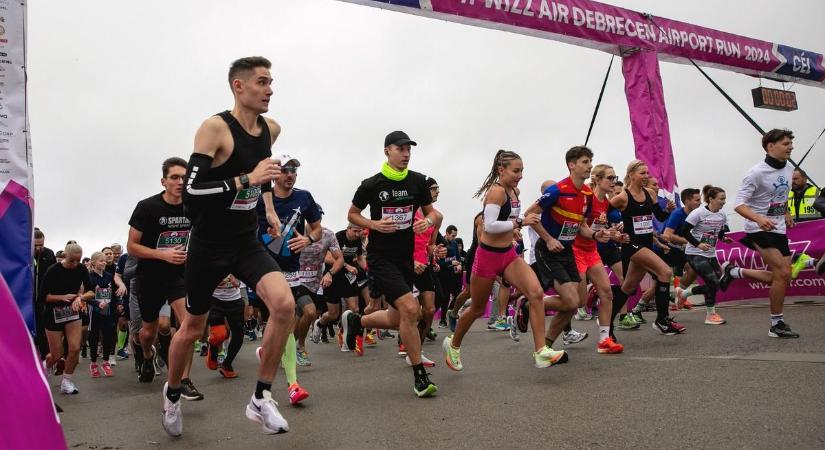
[
  {"x": 101, "y": 316},
  {"x": 496, "y": 256},
  {"x": 763, "y": 201},
  {"x": 683, "y": 272},
  {"x": 225, "y": 320},
  {"x": 464, "y": 296},
  {"x": 450, "y": 272},
  {"x": 393, "y": 196},
  {"x": 638, "y": 208},
  {"x": 64, "y": 289},
  {"x": 228, "y": 171},
  {"x": 43, "y": 259},
  {"x": 158, "y": 237}
]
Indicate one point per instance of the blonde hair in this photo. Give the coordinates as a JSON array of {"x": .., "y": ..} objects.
[
  {"x": 96, "y": 255},
  {"x": 597, "y": 174},
  {"x": 632, "y": 168},
  {"x": 72, "y": 248}
]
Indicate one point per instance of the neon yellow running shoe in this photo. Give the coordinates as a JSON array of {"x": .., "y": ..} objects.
[{"x": 452, "y": 356}]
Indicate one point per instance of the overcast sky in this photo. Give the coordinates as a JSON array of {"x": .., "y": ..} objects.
[{"x": 117, "y": 87}]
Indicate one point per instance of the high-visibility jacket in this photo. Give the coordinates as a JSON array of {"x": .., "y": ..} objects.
[{"x": 803, "y": 208}]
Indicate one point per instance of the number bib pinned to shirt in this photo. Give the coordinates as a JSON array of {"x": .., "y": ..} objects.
[
  {"x": 246, "y": 199},
  {"x": 293, "y": 279},
  {"x": 777, "y": 210},
  {"x": 569, "y": 230},
  {"x": 63, "y": 314},
  {"x": 308, "y": 274},
  {"x": 172, "y": 239},
  {"x": 402, "y": 216},
  {"x": 642, "y": 224}
]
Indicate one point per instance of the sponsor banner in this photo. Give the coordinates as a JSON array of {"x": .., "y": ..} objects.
[
  {"x": 804, "y": 237},
  {"x": 607, "y": 28}
]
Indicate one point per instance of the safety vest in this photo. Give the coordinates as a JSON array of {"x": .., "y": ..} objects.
[{"x": 806, "y": 206}]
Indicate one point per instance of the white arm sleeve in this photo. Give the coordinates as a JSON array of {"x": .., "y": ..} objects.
[{"x": 491, "y": 223}]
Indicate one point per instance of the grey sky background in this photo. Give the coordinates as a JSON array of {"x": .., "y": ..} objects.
[{"x": 115, "y": 88}]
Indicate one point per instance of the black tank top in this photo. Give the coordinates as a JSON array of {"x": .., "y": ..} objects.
[
  {"x": 638, "y": 220},
  {"x": 510, "y": 209},
  {"x": 230, "y": 218}
]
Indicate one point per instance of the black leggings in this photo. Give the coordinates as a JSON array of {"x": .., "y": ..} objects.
[
  {"x": 229, "y": 313},
  {"x": 709, "y": 270},
  {"x": 105, "y": 326}
]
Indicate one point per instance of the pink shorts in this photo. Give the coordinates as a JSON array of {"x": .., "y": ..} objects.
[
  {"x": 586, "y": 259},
  {"x": 490, "y": 262}
]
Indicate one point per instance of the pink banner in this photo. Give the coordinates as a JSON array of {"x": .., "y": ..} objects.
[
  {"x": 28, "y": 415},
  {"x": 804, "y": 237},
  {"x": 607, "y": 28}
]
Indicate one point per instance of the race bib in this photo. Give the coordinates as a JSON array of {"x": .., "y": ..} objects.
[
  {"x": 308, "y": 274},
  {"x": 63, "y": 314},
  {"x": 709, "y": 238},
  {"x": 642, "y": 224},
  {"x": 172, "y": 239},
  {"x": 402, "y": 216},
  {"x": 292, "y": 279},
  {"x": 246, "y": 199},
  {"x": 569, "y": 230},
  {"x": 103, "y": 295},
  {"x": 777, "y": 209}
]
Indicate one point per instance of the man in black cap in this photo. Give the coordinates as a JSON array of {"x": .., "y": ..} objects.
[{"x": 393, "y": 196}]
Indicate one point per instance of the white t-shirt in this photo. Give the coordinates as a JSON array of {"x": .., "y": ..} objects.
[
  {"x": 765, "y": 190},
  {"x": 534, "y": 237},
  {"x": 706, "y": 227}
]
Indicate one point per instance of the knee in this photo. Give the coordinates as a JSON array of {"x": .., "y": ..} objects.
[
  {"x": 74, "y": 347},
  {"x": 665, "y": 275},
  {"x": 409, "y": 312},
  {"x": 310, "y": 312},
  {"x": 782, "y": 274},
  {"x": 428, "y": 311}
]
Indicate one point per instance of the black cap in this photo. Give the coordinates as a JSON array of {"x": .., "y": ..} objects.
[{"x": 398, "y": 138}]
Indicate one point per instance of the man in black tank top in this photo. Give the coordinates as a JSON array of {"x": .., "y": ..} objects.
[{"x": 227, "y": 173}]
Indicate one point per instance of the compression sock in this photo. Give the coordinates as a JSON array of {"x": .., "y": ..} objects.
[{"x": 289, "y": 360}]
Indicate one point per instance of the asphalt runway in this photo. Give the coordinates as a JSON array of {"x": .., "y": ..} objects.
[{"x": 726, "y": 386}]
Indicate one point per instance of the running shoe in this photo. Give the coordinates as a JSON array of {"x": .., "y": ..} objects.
[
  {"x": 522, "y": 314},
  {"x": 227, "y": 371},
  {"x": 452, "y": 320},
  {"x": 315, "y": 331},
  {"x": 204, "y": 348},
  {"x": 820, "y": 266},
  {"x": 324, "y": 337},
  {"x": 303, "y": 357},
  {"x": 726, "y": 278},
  {"x": 782, "y": 330},
  {"x": 714, "y": 319},
  {"x": 442, "y": 323},
  {"x": 252, "y": 335},
  {"x": 501, "y": 324},
  {"x": 352, "y": 331},
  {"x": 427, "y": 362},
  {"x": 628, "y": 323},
  {"x": 112, "y": 360},
  {"x": 511, "y": 327},
  {"x": 59, "y": 366},
  {"x": 387, "y": 334},
  {"x": 147, "y": 369},
  {"x": 188, "y": 391},
  {"x": 665, "y": 328},
  {"x": 84, "y": 351},
  {"x": 573, "y": 337},
  {"x": 296, "y": 393},
  {"x": 452, "y": 356},
  {"x": 369, "y": 339},
  {"x": 359, "y": 345},
  {"x": 547, "y": 357},
  {"x": 122, "y": 354},
  {"x": 676, "y": 325},
  {"x": 637, "y": 317},
  {"x": 67, "y": 387},
  {"x": 402, "y": 351},
  {"x": 106, "y": 368},
  {"x": 171, "y": 418},
  {"x": 423, "y": 387},
  {"x": 212, "y": 357},
  {"x": 608, "y": 346},
  {"x": 341, "y": 343},
  {"x": 681, "y": 300},
  {"x": 581, "y": 314},
  {"x": 265, "y": 412},
  {"x": 221, "y": 357},
  {"x": 491, "y": 326},
  {"x": 94, "y": 370},
  {"x": 799, "y": 265},
  {"x": 431, "y": 335}
]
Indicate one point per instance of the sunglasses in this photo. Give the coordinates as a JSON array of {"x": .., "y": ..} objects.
[
  {"x": 289, "y": 169},
  {"x": 613, "y": 178}
]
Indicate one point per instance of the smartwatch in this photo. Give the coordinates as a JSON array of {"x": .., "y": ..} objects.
[
  {"x": 244, "y": 179},
  {"x": 519, "y": 222}
]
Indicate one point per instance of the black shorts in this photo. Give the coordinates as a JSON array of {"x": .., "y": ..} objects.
[
  {"x": 425, "y": 281},
  {"x": 342, "y": 288},
  {"x": 468, "y": 264},
  {"x": 391, "y": 276},
  {"x": 209, "y": 262},
  {"x": 303, "y": 298},
  {"x": 153, "y": 291},
  {"x": 50, "y": 318},
  {"x": 609, "y": 254},
  {"x": 557, "y": 267},
  {"x": 84, "y": 318},
  {"x": 676, "y": 259},
  {"x": 230, "y": 311},
  {"x": 767, "y": 239}
]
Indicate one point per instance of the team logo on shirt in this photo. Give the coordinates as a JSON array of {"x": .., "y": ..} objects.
[
  {"x": 383, "y": 196},
  {"x": 162, "y": 221},
  {"x": 174, "y": 222},
  {"x": 780, "y": 182}
]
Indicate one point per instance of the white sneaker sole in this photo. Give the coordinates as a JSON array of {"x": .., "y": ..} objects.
[{"x": 252, "y": 415}]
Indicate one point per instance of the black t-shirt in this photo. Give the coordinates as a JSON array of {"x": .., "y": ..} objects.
[
  {"x": 398, "y": 200},
  {"x": 60, "y": 280},
  {"x": 163, "y": 226},
  {"x": 104, "y": 288},
  {"x": 351, "y": 249}
]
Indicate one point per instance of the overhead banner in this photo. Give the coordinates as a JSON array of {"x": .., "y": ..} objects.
[
  {"x": 16, "y": 202},
  {"x": 611, "y": 29}
]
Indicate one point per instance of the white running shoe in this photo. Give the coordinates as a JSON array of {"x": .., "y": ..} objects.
[
  {"x": 573, "y": 337},
  {"x": 265, "y": 412},
  {"x": 315, "y": 332},
  {"x": 513, "y": 329},
  {"x": 112, "y": 360},
  {"x": 171, "y": 415},
  {"x": 424, "y": 360},
  {"x": 67, "y": 387}
]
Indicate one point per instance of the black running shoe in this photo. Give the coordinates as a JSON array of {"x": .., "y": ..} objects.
[
  {"x": 84, "y": 351},
  {"x": 725, "y": 279},
  {"x": 423, "y": 387},
  {"x": 666, "y": 328},
  {"x": 782, "y": 330},
  {"x": 147, "y": 370},
  {"x": 522, "y": 314},
  {"x": 188, "y": 391},
  {"x": 350, "y": 324}
]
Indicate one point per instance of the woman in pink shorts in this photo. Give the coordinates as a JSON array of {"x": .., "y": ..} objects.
[{"x": 496, "y": 256}]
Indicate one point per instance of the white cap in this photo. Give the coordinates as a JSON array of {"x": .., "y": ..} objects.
[{"x": 286, "y": 159}]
